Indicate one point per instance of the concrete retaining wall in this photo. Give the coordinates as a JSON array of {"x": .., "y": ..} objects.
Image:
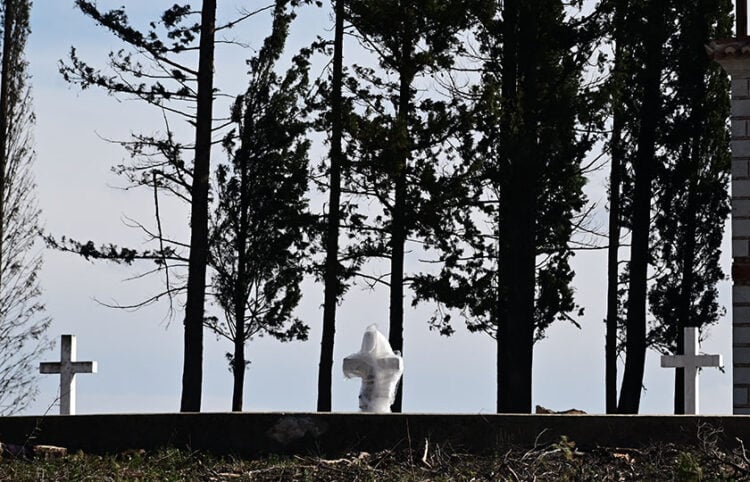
[{"x": 329, "y": 434}]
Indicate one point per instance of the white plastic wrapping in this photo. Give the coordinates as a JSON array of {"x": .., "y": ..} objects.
[{"x": 380, "y": 369}]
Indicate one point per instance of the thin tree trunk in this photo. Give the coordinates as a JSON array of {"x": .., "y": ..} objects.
[
  {"x": 396, "y": 313},
  {"x": 5, "y": 79},
  {"x": 630, "y": 393},
  {"x": 240, "y": 297},
  {"x": 332, "y": 271},
  {"x": 688, "y": 261},
  {"x": 399, "y": 215},
  {"x": 632, "y": 383},
  {"x": 238, "y": 358},
  {"x": 612, "y": 271},
  {"x": 679, "y": 375},
  {"x": 238, "y": 366},
  {"x": 192, "y": 375},
  {"x": 617, "y": 161},
  {"x": 240, "y": 288}
]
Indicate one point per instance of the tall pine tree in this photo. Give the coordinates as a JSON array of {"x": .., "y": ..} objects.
[
  {"x": 674, "y": 143},
  {"x": 649, "y": 32},
  {"x": 692, "y": 184},
  {"x": 260, "y": 224},
  {"x": 537, "y": 170},
  {"x": 514, "y": 281},
  {"x": 398, "y": 137}
]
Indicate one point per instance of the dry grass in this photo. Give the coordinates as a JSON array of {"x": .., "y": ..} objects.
[{"x": 556, "y": 462}]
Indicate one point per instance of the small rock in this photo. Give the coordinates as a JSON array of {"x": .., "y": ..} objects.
[
  {"x": 572, "y": 411},
  {"x": 47, "y": 452}
]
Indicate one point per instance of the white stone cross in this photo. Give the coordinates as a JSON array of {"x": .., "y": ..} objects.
[
  {"x": 690, "y": 361},
  {"x": 67, "y": 368}
]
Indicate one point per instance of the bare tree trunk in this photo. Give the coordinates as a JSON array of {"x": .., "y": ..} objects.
[
  {"x": 615, "y": 181},
  {"x": 519, "y": 210},
  {"x": 332, "y": 271},
  {"x": 630, "y": 393},
  {"x": 688, "y": 264},
  {"x": 396, "y": 312},
  {"x": 398, "y": 233},
  {"x": 613, "y": 271},
  {"x": 192, "y": 375},
  {"x": 509, "y": 69},
  {"x": 516, "y": 337},
  {"x": 679, "y": 375},
  {"x": 238, "y": 367},
  {"x": 632, "y": 383},
  {"x": 240, "y": 287}
]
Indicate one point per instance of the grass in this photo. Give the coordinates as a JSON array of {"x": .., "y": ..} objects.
[{"x": 561, "y": 461}]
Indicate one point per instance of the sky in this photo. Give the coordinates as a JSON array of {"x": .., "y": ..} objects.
[{"x": 139, "y": 353}]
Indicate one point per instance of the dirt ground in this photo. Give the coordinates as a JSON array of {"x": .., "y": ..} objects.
[{"x": 560, "y": 461}]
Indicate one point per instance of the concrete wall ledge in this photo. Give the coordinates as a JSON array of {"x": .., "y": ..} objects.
[{"x": 249, "y": 434}]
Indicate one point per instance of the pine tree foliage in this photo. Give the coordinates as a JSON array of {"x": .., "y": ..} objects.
[
  {"x": 693, "y": 182},
  {"x": 157, "y": 68},
  {"x": 560, "y": 195},
  {"x": 23, "y": 322}
]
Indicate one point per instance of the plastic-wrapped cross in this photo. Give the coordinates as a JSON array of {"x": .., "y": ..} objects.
[{"x": 380, "y": 369}]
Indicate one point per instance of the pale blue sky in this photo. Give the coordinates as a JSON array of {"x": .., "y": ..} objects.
[{"x": 140, "y": 354}]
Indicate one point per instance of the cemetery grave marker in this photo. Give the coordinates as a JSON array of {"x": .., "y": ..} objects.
[
  {"x": 690, "y": 361},
  {"x": 67, "y": 368},
  {"x": 380, "y": 369}
]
